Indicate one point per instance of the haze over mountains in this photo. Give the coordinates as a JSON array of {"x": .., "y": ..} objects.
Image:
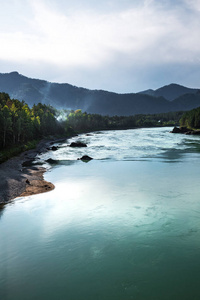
[{"x": 172, "y": 97}]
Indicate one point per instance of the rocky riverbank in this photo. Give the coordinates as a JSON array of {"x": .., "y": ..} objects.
[
  {"x": 185, "y": 130},
  {"x": 18, "y": 177}
]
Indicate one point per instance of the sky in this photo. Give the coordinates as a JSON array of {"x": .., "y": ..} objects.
[{"x": 116, "y": 45}]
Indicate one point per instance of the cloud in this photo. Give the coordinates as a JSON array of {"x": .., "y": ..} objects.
[
  {"x": 194, "y": 5},
  {"x": 116, "y": 37}
]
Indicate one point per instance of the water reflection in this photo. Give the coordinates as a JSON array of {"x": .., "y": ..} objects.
[
  {"x": 110, "y": 230},
  {"x": 55, "y": 163}
]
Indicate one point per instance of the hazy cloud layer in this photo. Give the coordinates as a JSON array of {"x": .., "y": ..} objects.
[{"x": 124, "y": 46}]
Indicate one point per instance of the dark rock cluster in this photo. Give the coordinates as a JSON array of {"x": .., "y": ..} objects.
[{"x": 185, "y": 130}]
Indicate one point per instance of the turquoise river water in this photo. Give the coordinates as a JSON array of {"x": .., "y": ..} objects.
[{"x": 123, "y": 226}]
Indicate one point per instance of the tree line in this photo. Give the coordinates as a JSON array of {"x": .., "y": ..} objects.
[{"x": 82, "y": 121}]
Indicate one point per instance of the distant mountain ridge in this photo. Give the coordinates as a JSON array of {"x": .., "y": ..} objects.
[
  {"x": 170, "y": 92},
  {"x": 172, "y": 97}
]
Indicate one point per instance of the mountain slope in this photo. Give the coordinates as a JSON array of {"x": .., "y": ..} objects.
[
  {"x": 97, "y": 101},
  {"x": 186, "y": 102},
  {"x": 170, "y": 92}
]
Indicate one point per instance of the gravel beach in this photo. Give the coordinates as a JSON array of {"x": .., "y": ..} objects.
[{"x": 17, "y": 180}]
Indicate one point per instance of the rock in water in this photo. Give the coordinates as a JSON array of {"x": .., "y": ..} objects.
[
  {"x": 85, "y": 158},
  {"x": 180, "y": 130},
  {"x": 51, "y": 161},
  {"x": 54, "y": 148},
  {"x": 77, "y": 144}
]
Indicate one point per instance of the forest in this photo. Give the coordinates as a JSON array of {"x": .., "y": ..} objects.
[
  {"x": 191, "y": 119},
  {"x": 21, "y": 127},
  {"x": 20, "y": 124},
  {"x": 81, "y": 122}
]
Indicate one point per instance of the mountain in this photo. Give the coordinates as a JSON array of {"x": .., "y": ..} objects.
[
  {"x": 187, "y": 101},
  {"x": 170, "y": 92},
  {"x": 168, "y": 98}
]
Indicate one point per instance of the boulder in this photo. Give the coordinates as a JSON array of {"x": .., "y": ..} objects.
[
  {"x": 175, "y": 130},
  {"x": 54, "y": 148},
  {"x": 193, "y": 132},
  {"x": 181, "y": 130},
  {"x": 51, "y": 161},
  {"x": 77, "y": 144},
  {"x": 189, "y": 132},
  {"x": 85, "y": 158},
  {"x": 196, "y": 132}
]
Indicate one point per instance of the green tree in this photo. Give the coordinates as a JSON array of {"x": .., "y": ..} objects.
[{"x": 6, "y": 123}]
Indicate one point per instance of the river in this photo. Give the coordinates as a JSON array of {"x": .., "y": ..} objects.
[{"x": 125, "y": 225}]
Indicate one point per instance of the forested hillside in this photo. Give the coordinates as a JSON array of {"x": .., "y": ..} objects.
[{"x": 191, "y": 119}]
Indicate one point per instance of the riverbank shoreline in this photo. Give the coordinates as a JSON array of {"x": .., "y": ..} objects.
[{"x": 19, "y": 178}]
